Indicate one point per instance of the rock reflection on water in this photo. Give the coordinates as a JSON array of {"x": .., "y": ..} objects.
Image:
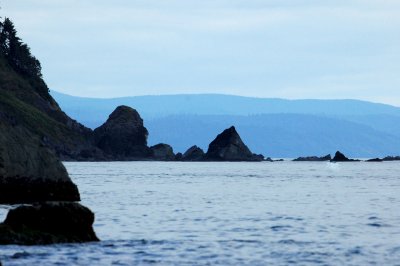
[{"x": 232, "y": 213}]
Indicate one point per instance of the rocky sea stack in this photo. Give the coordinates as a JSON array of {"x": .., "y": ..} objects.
[
  {"x": 340, "y": 157},
  {"x": 228, "y": 146},
  {"x": 123, "y": 136}
]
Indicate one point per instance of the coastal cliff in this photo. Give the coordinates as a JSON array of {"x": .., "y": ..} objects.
[{"x": 34, "y": 132}]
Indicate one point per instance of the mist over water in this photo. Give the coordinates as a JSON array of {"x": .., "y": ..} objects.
[{"x": 173, "y": 213}]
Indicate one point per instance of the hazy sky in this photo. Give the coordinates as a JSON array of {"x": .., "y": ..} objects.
[{"x": 262, "y": 48}]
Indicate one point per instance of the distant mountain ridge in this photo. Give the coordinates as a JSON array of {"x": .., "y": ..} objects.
[
  {"x": 273, "y": 127},
  {"x": 220, "y": 104}
]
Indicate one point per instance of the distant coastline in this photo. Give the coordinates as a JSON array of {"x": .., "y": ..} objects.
[{"x": 273, "y": 127}]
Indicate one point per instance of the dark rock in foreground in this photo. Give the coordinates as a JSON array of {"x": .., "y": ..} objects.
[
  {"x": 313, "y": 159},
  {"x": 123, "y": 136},
  {"x": 27, "y": 190},
  {"x": 340, "y": 157},
  {"x": 30, "y": 172},
  {"x": 228, "y": 146},
  {"x": 162, "y": 152},
  {"x": 48, "y": 223},
  {"x": 194, "y": 153}
]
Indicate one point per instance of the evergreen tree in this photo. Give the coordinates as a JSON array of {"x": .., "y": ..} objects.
[{"x": 16, "y": 52}]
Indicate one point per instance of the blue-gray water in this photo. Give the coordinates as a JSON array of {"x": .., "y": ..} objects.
[{"x": 232, "y": 214}]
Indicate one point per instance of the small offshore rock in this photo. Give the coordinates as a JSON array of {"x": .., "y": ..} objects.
[
  {"x": 313, "y": 158},
  {"x": 178, "y": 156},
  {"x": 162, "y": 152},
  {"x": 194, "y": 153},
  {"x": 48, "y": 223},
  {"x": 269, "y": 159},
  {"x": 374, "y": 160}
]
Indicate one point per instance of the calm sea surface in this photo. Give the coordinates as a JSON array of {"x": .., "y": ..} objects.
[{"x": 279, "y": 213}]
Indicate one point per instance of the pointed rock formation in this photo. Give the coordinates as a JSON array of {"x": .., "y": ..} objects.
[
  {"x": 228, "y": 146},
  {"x": 194, "y": 153},
  {"x": 123, "y": 135},
  {"x": 340, "y": 157},
  {"x": 162, "y": 152}
]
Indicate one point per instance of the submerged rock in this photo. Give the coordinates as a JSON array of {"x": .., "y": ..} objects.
[
  {"x": 123, "y": 135},
  {"x": 48, "y": 223},
  {"x": 228, "y": 146},
  {"x": 194, "y": 153},
  {"x": 313, "y": 158},
  {"x": 163, "y": 152}
]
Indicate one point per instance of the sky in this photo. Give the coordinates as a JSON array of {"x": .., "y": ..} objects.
[{"x": 291, "y": 49}]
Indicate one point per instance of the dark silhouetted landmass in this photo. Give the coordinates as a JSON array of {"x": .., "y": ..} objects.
[{"x": 391, "y": 158}]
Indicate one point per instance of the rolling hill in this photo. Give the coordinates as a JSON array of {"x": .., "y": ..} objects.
[{"x": 274, "y": 127}]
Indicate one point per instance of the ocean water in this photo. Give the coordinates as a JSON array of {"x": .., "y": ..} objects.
[{"x": 281, "y": 213}]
